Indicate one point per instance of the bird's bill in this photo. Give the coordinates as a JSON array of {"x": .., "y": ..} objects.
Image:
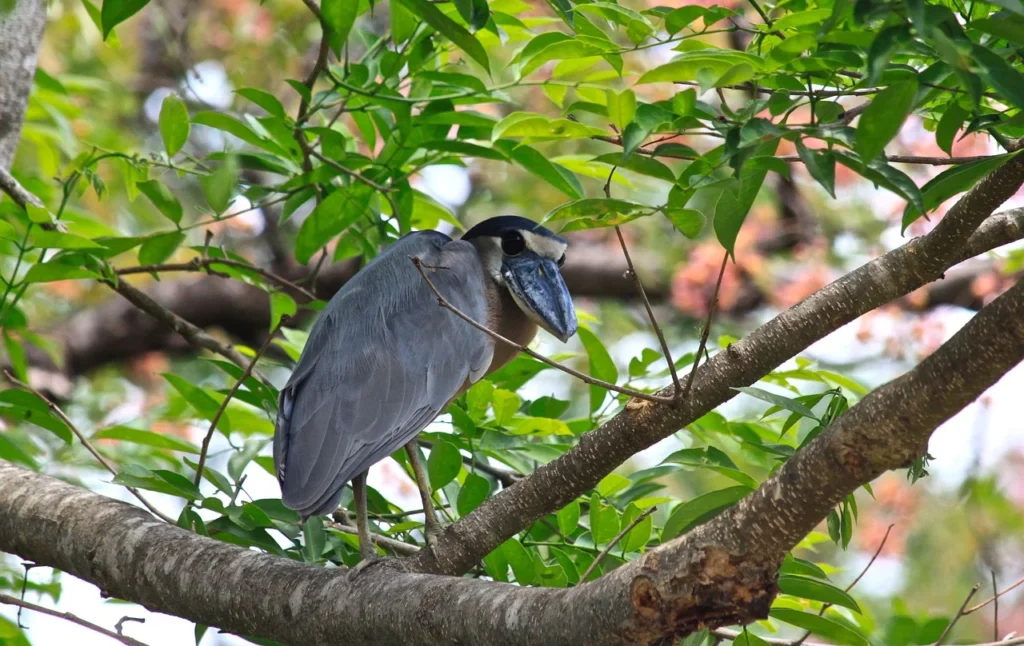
[{"x": 537, "y": 287}]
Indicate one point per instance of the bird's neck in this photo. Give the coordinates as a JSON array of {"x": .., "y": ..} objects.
[{"x": 510, "y": 322}]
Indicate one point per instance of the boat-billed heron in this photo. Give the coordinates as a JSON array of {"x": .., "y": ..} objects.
[{"x": 383, "y": 359}]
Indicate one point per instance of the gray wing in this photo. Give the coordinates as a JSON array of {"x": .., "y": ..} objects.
[{"x": 381, "y": 362}]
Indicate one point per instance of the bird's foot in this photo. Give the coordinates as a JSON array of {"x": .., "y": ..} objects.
[{"x": 389, "y": 562}]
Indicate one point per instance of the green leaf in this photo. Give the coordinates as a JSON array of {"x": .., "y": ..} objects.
[
  {"x": 314, "y": 538},
  {"x": 473, "y": 492},
  {"x": 281, "y": 304},
  {"x": 115, "y": 12},
  {"x": 952, "y": 181},
  {"x": 637, "y": 537},
  {"x": 337, "y": 212},
  {"x": 689, "y": 222},
  {"x": 884, "y": 117},
  {"x": 162, "y": 199},
  {"x": 701, "y": 509},
  {"x": 52, "y": 271},
  {"x": 820, "y": 164},
  {"x": 882, "y": 174},
  {"x": 733, "y": 206},
  {"x": 476, "y": 13},
  {"x": 156, "y": 249},
  {"x": 816, "y": 590},
  {"x": 523, "y": 566},
  {"x": 443, "y": 464},
  {"x": 621, "y": 107},
  {"x": 339, "y": 16},
  {"x": 219, "y": 186},
  {"x": 25, "y": 406},
  {"x": 60, "y": 240},
  {"x": 1008, "y": 27},
  {"x": 146, "y": 438},
  {"x": 604, "y": 521},
  {"x": 781, "y": 401},
  {"x": 505, "y": 403},
  {"x": 174, "y": 124},
  {"x": 950, "y": 123},
  {"x": 612, "y": 484},
  {"x": 746, "y": 638},
  {"x": 822, "y": 626},
  {"x": 266, "y": 100},
  {"x": 168, "y": 482},
  {"x": 449, "y": 29},
  {"x": 1000, "y": 75},
  {"x": 569, "y": 518},
  {"x": 539, "y": 427},
  {"x": 601, "y": 366},
  {"x": 533, "y": 161}
]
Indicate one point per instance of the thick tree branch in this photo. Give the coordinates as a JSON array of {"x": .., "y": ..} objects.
[
  {"x": 720, "y": 573},
  {"x": 21, "y": 31},
  {"x": 600, "y": 451}
]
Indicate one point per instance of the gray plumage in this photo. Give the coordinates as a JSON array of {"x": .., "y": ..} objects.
[{"x": 366, "y": 384}]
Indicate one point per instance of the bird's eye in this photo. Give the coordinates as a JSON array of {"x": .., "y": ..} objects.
[
  {"x": 512, "y": 243},
  {"x": 561, "y": 261}
]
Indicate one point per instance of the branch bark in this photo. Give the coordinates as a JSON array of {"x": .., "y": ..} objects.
[
  {"x": 21, "y": 31},
  {"x": 721, "y": 573},
  {"x": 636, "y": 428}
]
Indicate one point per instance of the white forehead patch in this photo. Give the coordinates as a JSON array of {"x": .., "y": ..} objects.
[{"x": 544, "y": 246}]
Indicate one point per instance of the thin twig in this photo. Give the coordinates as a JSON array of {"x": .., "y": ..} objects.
[
  {"x": 383, "y": 541},
  {"x": 231, "y": 393},
  {"x": 995, "y": 609},
  {"x": 24, "y": 586},
  {"x": 56, "y": 410},
  {"x": 618, "y": 537},
  {"x": 991, "y": 599},
  {"x": 67, "y": 616},
  {"x": 359, "y": 177},
  {"x": 855, "y": 581},
  {"x": 706, "y": 332},
  {"x": 900, "y": 159},
  {"x": 194, "y": 335},
  {"x": 201, "y": 263},
  {"x": 119, "y": 626},
  {"x": 677, "y": 390},
  {"x": 959, "y": 613},
  {"x": 527, "y": 351}
]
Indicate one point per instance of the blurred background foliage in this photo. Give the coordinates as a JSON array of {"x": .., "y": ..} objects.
[{"x": 177, "y": 130}]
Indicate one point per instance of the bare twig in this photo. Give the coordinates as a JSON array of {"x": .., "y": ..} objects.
[
  {"x": 107, "y": 464},
  {"x": 201, "y": 263},
  {"x": 231, "y": 393},
  {"x": 993, "y": 598},
  {"x": 677, "y": 390},
  {"x": 959, "y": 613},
  {"x": 706, "y": 332},
  {"x": 362, "y": 179},
  {"x": 383, "y": 541},
  {"x": 900, "y": 159},
  {"x": 119, "y": 626},
  {"x": 618, "y": 537},
  {"x": 658, "y": 399},
  {"x": 191, "y": 333},
  {"x": 67, "y": 616},
  {"x": 995, "y": 608}
]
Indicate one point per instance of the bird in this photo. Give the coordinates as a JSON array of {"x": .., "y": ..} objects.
[{"x": 383, "y": 359}]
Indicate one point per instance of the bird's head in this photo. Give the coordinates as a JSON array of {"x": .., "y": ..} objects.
[{"x": 525, "y": 258}]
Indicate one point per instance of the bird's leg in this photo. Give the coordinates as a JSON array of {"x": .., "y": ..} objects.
[
  {"x": 366, "y": 549},
  {"x": 433, "y": 528}
]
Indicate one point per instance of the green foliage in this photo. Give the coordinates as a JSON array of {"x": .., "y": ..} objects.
[{"x": 564, "y": 104}]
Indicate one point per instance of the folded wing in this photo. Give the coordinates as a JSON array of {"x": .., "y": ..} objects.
[{"x": 382, "y": 360}]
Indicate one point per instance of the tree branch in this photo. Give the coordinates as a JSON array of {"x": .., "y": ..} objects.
[
  {"x": 720, "y": 573},
  {"x": 602, "y": 450},
  {"x": 67, "y": 616}
]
